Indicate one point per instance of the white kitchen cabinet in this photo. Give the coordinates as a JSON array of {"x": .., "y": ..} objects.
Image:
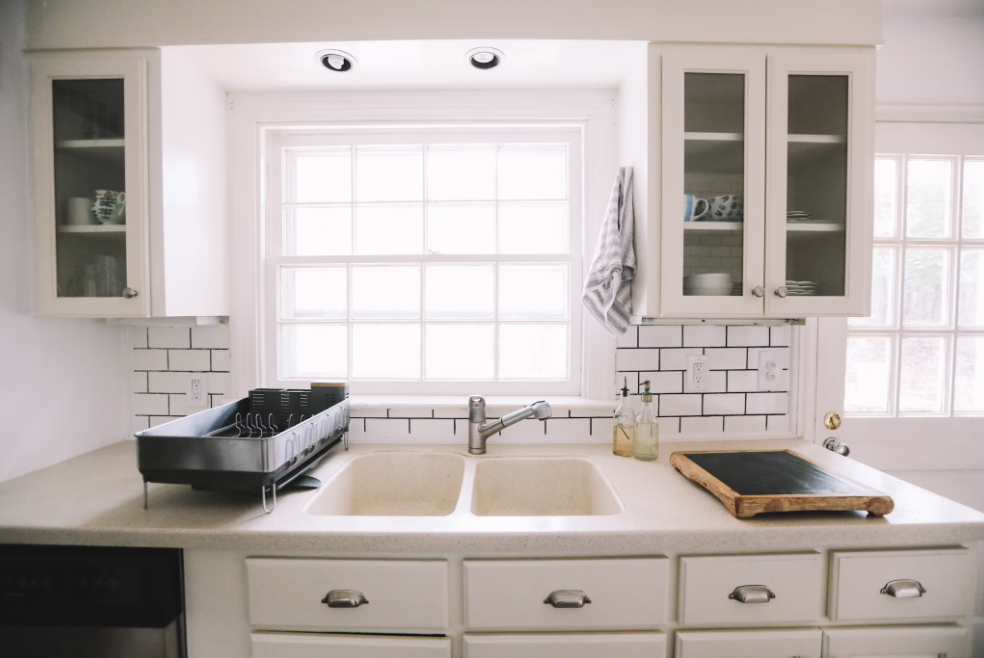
[
  {"x": 144, "y": 133},
  {"x": 764, "y": 197},
  {"x": 308, "y": 645},
  {"x": 749, "y": 644},
  {"x": 902, "y": 642},
  {"x": 567, "y": 645}
]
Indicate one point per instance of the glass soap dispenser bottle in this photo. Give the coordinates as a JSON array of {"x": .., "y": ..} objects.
[
  {"x": 624, "y": 424},
  {"x": 646, "y": 439}
]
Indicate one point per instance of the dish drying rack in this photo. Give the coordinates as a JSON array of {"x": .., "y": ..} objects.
[{"x": 265, "y": 441}]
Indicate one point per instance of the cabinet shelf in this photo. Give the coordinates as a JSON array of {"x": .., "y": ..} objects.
[
  {"x": 791, "y": 227},
  {"x": 102, "y": 152},
  {"x": 94, "y": 229},
  {"x": 817, "y": 139},
  {"x": 714, "y": 137}
]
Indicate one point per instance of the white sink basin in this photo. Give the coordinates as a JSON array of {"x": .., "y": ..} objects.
[
  {"x": 393, "y": 484},
  {"x": 548, "y": 486}
]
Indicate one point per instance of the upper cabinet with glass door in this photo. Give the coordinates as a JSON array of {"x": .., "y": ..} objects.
[
  {"x": 90, "y": 155},
  {"x": 820, "y": 204}
]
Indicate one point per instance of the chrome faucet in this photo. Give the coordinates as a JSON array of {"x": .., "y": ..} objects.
[{"x": 479, "y": 431}]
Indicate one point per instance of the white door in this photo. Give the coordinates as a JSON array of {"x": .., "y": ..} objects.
[
  {"x": 713, "y": 201},
  {"x": 897, "y": 642},
  {"x": 818, "y": 240},
  {"x": 749, "y": 644},
  {"x": 909, "y": 379}
]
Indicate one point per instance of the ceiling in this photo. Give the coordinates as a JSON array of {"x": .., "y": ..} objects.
[{"x": 429, "y": 64}]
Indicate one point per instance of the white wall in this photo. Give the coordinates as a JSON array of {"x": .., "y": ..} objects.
[{"x": 63, "y": 383}]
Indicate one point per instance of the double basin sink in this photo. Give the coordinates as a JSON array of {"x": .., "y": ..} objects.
[{"x": 407, "y": 483}]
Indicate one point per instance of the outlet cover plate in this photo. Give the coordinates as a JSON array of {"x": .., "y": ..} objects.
[
  {"x": 696, "y": 377},
  {"x": 771, "y": 376},
  {"x": 196, "y": 392}
]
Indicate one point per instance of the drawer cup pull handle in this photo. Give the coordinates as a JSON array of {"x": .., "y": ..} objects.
[
  {"x": 567, "y": 598},
  {"x": 904, "y": 589},
  {"x": 752, "y": 594},
  {"x": 344, "y": 598}
]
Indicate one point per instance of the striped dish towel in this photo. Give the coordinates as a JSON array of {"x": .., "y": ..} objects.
[{"x": 607, "y": 292}]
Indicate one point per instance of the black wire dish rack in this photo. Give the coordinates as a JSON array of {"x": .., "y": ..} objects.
[{"x": 265, "y": 441}]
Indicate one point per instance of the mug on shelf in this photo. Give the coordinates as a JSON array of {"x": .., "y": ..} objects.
[
  {"x": 726, "y": 207},
  {"x": 78, "y": 211},
  {"x": 110, "y": 207},
  {"x": 694, "y": 209}
]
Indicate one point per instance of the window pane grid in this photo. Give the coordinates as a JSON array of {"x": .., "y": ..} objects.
[
  {"x": 384, "y": 242},
  {"x": 927, "y": 293}
]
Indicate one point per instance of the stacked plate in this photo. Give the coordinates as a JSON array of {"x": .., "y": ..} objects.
[
  {"x": 801, "y": 288},
  {"x": 798, "y": 216}
]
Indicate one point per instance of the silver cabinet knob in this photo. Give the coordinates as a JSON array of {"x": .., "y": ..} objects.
[
  {"x": 567, "y": 598},
  {"x": 344, "y": 598},
  {"x": 834, "y": 445},
  {"x": 904, "y": 589},
  {"x": 782, "y": 291},
  {"x": 758, "y": 291},
  {"x": 752, "y": 594},
  {"x": 129, "y": 293}
]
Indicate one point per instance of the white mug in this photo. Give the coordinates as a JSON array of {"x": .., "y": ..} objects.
[
  {"x": 110, "y": 207},
  {"x": 78, "y": 211}
]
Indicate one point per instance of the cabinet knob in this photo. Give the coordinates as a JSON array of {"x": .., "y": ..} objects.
[
  {"x": 782, "y": 291},
  {"x": 130, "y": 293},
  {"x": 758, "y": 291},
  {"x": 834, "y": 445},
  {"x": 567, "y": 598},
  {"x": 344, "y": 598},
  {"x": 752, "y": 594},
  {"x": 904, "y": 589}
]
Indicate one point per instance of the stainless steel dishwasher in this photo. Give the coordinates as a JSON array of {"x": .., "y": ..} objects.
[{"x": 89, "y": 602}]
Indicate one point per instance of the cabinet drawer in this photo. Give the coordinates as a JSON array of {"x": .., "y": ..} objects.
[
  {"x": 935, "y": 641},
  {"x": 859, "y": 585},
  {"x": 403, "y": 596},
  {"x": 749, "y": 644},
  {"x": 568, "y": 645},
  {"x": 708, "y": 589},
  {"x": 511, "y": 594},
  {"x": 306, "y": 645}
]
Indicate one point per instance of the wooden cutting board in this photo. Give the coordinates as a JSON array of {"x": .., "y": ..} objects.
[{"x": 750, "y": 482}]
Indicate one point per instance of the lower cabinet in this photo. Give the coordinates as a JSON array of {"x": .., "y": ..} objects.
[
  {"x": 568, "y": 645},
  {"x": 311, "y": 645},
  {"x": 748, "y": 644},
  {"x": 904, "y": 642}
]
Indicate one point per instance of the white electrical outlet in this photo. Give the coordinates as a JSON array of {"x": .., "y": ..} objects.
[
  {"x": 698, "y": 370},
  {"x": 771, "y": 376},
  {"x": 197, "y": 392}
]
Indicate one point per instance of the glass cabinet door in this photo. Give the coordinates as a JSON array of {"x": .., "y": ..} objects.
[
  {"x": 713, "y": 182},
  {"x": 89, "y": 209},
  {"x": 819, "y": 170}
]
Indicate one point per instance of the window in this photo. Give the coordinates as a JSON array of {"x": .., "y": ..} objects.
[
  {"x": 921, "y": 351},
  {"x": 441, "y": 261}
]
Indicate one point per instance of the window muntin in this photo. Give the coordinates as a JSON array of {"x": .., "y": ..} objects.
[
  {"x": 921, "y": 351},
  {"x": 452, "y": 258}
]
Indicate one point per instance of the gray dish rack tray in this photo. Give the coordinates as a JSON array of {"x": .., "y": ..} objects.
[{"x": 262, "y": 442}]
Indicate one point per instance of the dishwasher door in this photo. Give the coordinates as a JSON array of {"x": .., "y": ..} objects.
[{"x": 63, "y": 642}]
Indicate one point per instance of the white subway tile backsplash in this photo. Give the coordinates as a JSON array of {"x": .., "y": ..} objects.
[
  {"x": 702, "y": 424},
  {"x": 629, "y": 379},
  {"x": 662, "y": 382},
  {"x": 221, "y": 361},
  {"x": 715, "y": 381},
  {"x": 669, "y": 426},
  {"x": 743, "y": 336},
  {"x": 602, "y": 428},
  {"x": 781, "y": 336},
  {"x": 139, "y": 382},
  {"x": 677, "y": 359},
  {"x": 436, "y": 428},
  {"x": 680, "y": 405},
  {"x": 727, "y": 358},
  {"x": 141, "y": 423},
  {"x": 167, "y": 382},
  {"x": 704, "y": 336},
  {"x": 744, "y": 423},
  {"x": 138, "y": 338},
  {"x": 191, "y": 360},
  {"x": 176, "y": 337},
  {"x": 525, "y": 429},
  {"x": 559, "y": 428},
  {"x": 670, "y": 336},
  {"x": 219, "y": 382},
  {"x": 777, "y": 423},
  {"x": 149, "y": 359},
  {"x": 725, "y": 404},
  {"x": 767, "y": 403},
  {"x": 388, "y": 427},
  {"x": 215, "y": 337},
  {"x": 145, "y": 404},
  {"x": 181, "y": 406},
  {"x": 629, "y": 339},
  {"x": 647, "y": 359},
  {"x": 742, "y": 381}
]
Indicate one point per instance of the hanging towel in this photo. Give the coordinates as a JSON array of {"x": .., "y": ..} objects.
[{"x": 607, "y": 292}]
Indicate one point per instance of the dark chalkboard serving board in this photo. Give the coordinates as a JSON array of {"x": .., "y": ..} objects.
[{"x": 750, "y": 482}]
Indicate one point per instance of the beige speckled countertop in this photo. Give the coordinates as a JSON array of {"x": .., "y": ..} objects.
[{"x": 97, "y": 499}]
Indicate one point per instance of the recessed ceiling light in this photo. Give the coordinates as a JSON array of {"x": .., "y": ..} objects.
[
  {"x": 485, "y": 58},
  {"x": 335, "y": 60}
]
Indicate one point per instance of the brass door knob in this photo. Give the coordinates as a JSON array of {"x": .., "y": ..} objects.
[{"x": 832, "y": 420}]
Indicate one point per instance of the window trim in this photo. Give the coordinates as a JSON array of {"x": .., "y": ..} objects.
[{"x": 254, "y": 115}]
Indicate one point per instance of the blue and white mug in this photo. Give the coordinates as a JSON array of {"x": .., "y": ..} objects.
[
  {"x": 727, "y": 207},
  {"x": 109, "y": 207},
  {"x": 694, "y": 209}
]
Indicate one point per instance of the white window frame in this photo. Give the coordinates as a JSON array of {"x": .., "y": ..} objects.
[
  {"x": 283, "y": 143},
  {"x": 254, "y": 115}
]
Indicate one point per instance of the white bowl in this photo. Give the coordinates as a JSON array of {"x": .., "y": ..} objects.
[
  {"x": 708, "y": 291},
  {"x": 704, "y": 280}
]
